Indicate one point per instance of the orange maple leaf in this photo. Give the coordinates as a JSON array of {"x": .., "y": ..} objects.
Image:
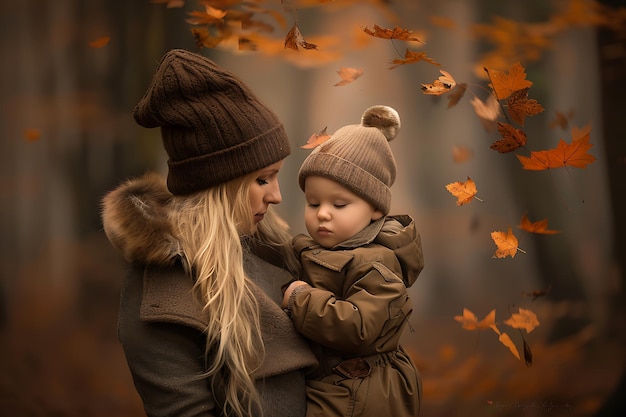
[
  {"x": 539, "y": 227},
  {"x": 348, "y": 75},
  {"x": 294, "y": 39},
  {"x": 100, "y": 42},
  {"x": 411, "y": 57},
  {"x": 525, "y": 319},
  {"x": 565, "y": 154},
  {"x": 512, "y": 138},
  {"x": 395, "y": 33},
  {"x": 463, "y": 191},
  {"x": 506, "y": 243},
  {"x": 316, "y": 139},
  {"x": 441, "y": 85},
  {"x": 504, "y": 84},
  {"x": 469, "y": 321},
  {"x": 520, "y": 106}
]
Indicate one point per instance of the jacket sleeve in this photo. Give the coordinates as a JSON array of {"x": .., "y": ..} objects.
[
  {"x": 165, "y": 360},
  {"x": 374, "y": 303}
]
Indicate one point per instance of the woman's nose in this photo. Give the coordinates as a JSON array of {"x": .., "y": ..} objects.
[{"x": 274, "y": 196}]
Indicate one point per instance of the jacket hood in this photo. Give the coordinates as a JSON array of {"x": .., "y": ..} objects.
[{"x": 136, "y": 221}]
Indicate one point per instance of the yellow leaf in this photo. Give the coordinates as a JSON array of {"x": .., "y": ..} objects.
[{"x": 525, "y": 319}]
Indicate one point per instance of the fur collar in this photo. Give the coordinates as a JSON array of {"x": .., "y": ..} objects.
[{"x": 136, "y": 220}]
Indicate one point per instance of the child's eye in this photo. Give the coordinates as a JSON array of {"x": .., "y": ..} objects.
[
  {"x": 261, "y": 181},
  {"x": 313, "y": 205},
  {"x": 340, "y": 205}
]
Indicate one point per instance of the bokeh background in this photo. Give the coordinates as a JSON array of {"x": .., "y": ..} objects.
[{"x": 68, "y": 136}]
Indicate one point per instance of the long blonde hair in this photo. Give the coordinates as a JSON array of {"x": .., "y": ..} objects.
[{"x": 210, "y": 225}]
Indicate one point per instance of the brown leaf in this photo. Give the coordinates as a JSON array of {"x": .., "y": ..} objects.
[
  {"x": 204, "y": 39},
  {"x": 32, "y": 134},
  {"x": 512, "y": 138},
  {"x": 316, "y": 139},
  {"x": 348, "y": 75},
  {"x": 395, "y": 33},
  {"x": 520, "y": 106},
  {"x": 528, "y": 354},
  {"x": 461, "y": 154},
  {"x": 525, "y": 319},
  {"x": 411, "y": 57},
  {"x": 294, "y": 39},
  {"x": 442, "y": 85},
  {"x": 573, "y": 154}
]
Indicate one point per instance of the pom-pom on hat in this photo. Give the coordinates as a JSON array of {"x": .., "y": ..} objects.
[
  {"x": 214, "y": 128},
  {"x": 359, "y": 157}
]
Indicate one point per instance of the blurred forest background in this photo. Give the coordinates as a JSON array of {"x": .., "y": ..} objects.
[{"x": 74, "y": 69}]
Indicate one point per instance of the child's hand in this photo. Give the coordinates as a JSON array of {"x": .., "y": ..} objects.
[{"x": 289, "y": 290}]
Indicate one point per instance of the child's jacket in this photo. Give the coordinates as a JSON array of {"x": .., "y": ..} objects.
[{"x": 355, "y": 313}]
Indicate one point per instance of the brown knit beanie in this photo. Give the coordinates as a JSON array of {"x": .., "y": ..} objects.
[
  {"x": 213, "y": 127},
  {"x": 359, "y": 157}
]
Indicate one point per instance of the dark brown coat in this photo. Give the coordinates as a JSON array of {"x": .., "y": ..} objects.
[{"x": 161, "y": 326}]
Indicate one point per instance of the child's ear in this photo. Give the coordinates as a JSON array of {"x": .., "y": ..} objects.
[{"x": 377, "y": 215}]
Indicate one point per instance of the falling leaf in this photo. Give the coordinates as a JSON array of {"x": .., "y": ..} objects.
[
  {"x": 538, "y": 293},
  {"x": 461, "y": 154},
  {"x": 512, "y": 138},
  {"x": 488, "y": 111},
  {"x": 395, "y": 33},
  {"x": 32, "y": 134},
  {"x": 506, "y": 243},
  {"x": 520, "y": 106},
  {"x": 204, "y": 39},
  {"x": 456, "y": 95},
  {"x": 528, "y": 354},
  {"x": 411, "y": 57},
  {"x": 316, "y": 139},
  {"x": 539, "y": 227},
  {"x": 561, "y": 120},
  {"x": 209, "y": 16},
  {"x": 469, "y": 321},
  {"x": 100, "y": 42},
  {"x": 525, "y": 319},
  {"x": 506, "y": 341},
  {"x": 463, "y": 191},
  {"x": 504, "y": 84},
  {"x": 573, "y": 154},
  {"x": 442, "y": 22},
  {"x": 441, "y": 85},
  {"x": 295, "y": 40},
  {"x": 348, "y": 75}
]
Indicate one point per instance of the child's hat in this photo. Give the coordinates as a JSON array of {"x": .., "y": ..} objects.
[
  {"x": 359, "y": 157},
  {"x": 213, "y": 127}
]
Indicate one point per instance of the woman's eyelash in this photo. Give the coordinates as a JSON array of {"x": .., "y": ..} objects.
[{"x": 261, "y": 181}]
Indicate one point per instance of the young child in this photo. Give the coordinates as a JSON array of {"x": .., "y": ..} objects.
[{"x": 352, "y": 301}]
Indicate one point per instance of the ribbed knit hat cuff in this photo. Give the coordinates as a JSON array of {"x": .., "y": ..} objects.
[
  {"x": 198, "y": 173},
  {"x": 351, "y": 176}
]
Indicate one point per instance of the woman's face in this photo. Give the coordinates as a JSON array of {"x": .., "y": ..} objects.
[{"x": 264, "y": 190}]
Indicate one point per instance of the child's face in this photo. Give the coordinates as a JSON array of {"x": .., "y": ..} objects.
[{"x": 333, "y": 213}]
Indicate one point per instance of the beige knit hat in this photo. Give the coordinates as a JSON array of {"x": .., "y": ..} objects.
[
  {"x": 359, "y": 157},
  {"x": 213, "y": 127}
]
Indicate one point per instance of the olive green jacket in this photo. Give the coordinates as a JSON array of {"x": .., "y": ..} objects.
[{"x": 355, "y": 310}]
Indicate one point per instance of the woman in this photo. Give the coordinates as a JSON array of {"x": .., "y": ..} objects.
[{"x": 200, "y": 318}]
